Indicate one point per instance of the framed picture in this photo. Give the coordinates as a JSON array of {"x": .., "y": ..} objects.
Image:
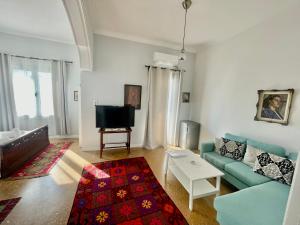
[
  {"x": 133, "y": 95},
  {"x": 185, "y": 97},
  {"x": 75, "y": 96},
  {"x": 274, "y": 106}
]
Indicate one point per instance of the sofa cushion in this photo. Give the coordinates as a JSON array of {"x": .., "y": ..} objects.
[
  {"x": 217, "y": 160},
  {"x": 275, "y": 167},
  {"x": 258, "y": 205},
  {"x": 236, "y": 138},
  {"x": 250, "y": 156},
  {"x": 274, "y": 149},
  {"x": 231, "y": 149},
  {"x": 245, "y": 174}
]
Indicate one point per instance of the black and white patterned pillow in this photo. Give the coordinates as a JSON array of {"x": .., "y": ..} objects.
[
  {"x": 275, "y": 167},
  {"x": 229, "y": 148}
]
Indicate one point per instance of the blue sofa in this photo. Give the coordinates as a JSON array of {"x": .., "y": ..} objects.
[{"x": 260, "y": 200}]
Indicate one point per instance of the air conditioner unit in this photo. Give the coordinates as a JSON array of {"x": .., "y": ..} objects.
[{"x": 165, "y": 60}]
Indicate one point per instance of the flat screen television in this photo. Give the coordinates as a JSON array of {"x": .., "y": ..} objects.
[{"x": 114, "y": 116}]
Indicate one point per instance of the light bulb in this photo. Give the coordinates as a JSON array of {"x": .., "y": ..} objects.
[{"x": 182, "y": 55}]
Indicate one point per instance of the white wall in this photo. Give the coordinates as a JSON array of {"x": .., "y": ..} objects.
[
  {"x": 118, "y": 62},
  {"x": 33, "y": 47},
  {"x": 229, "y": 74}
]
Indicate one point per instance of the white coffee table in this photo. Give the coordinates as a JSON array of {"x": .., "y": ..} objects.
[{"x": 192, "y": 172}]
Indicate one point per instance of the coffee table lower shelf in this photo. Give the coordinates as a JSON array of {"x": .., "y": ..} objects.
[
  {"x": 196, "y": 188},
  {"x": 201, "y": 188}
]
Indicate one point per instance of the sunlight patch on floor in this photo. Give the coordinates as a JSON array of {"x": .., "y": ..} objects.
[
  {"x": 67, "y": 174},
  {"x": 77, "y": 159},
  {"x": 96, "y": 172}
]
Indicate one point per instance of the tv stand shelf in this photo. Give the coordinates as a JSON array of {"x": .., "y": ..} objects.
[{"x": 126, "y": 144}]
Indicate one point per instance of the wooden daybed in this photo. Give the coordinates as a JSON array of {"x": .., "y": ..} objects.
[{"x": 14, "y": 154}]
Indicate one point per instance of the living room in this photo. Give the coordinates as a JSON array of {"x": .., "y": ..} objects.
[{"x": 231, "y": 68}]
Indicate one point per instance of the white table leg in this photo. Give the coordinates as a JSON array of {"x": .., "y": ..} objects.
[
  {"x": 191, "y": 196},
  {"x": 218, "y": 185},
  {"x": 166, "y": 163}
]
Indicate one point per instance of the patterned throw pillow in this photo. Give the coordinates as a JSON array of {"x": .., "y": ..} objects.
[
  {"x": 275, "y": 167},
  {"x": 229, "y": 148}
]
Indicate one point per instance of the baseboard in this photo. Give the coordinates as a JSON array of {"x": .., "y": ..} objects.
[
  {"x": 88, "y": 148},
  {"x": 63, "y": 136}
]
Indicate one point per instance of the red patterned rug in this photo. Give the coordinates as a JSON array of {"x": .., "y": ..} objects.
[
  {"x": 6, "y": 206},
  {"x": 42, "y": 164},
  {"x": 123, "y": 192}
]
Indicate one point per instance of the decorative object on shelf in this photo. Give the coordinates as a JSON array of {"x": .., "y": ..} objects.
[
  {"x": 133, "y": 95},
  {"x": 274, "y": 106},
  {"x": 76, "y": 96},
  {"x": 186, "y": 4},
  {"x": 185, "y": 97}
]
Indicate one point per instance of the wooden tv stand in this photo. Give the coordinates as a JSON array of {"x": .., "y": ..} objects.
[{"x": 126, "y": 144}]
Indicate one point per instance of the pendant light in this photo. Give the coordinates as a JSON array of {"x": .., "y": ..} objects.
[{"x": 186, "y": 4}]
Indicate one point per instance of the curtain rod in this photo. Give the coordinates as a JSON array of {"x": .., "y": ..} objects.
[
  {"x": 20, "y": 56},
  {"x": 164, "y": 68}
]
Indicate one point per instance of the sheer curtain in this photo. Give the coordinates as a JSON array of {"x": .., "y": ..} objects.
[
  {"x": 8, "y": 117},
  {"x": 33, "y": 95},
  {"x": 163, "y": 107},
  {"x": 174, "y": 108}
]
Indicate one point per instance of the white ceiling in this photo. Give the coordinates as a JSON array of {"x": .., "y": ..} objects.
[
  {"x": 44, "y": 19},
  {"x": 162, "y": 20},
  {"x": 159, "y": 21}
]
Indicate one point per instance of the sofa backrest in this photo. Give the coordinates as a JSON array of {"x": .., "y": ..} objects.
[
  {"x": 293, "y": 156},
  {"x": 236, "y": 138},
  {"x": 274, "y": 149}
]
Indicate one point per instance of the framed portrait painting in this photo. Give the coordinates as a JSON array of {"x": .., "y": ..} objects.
[
  {"x": 274, "y": 106},
  {"x": 133, "y": 95},
  {"x": 75, "y": 96},
  {"x": 185, "y": 97}
]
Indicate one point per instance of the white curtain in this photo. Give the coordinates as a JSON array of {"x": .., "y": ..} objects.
[
  {"x": 163, "y": 107},
  {"x": 174, "y": 108},
  {"x": 60, "y": 71},
  {"x": 32, "y": 94},
  {"x": 8, "y": 118}
]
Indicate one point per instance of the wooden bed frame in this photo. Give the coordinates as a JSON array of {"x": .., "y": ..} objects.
[{"x": 16, "y": 153}]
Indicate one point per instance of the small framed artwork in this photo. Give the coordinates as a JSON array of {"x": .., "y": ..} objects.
[
  {"x": 274, "y": 106},
  {"x": 133, "y": 95},
  {"x": 76, "y": 96},
  {"x": 185, "y": 97}
]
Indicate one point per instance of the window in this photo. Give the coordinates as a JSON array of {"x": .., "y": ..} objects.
[
  {"x": 33, "y": 91},
  {"x": 46, "y": 94},
  {"x": 24, "y": 92}
]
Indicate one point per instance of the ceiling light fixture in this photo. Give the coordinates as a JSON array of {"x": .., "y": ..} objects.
[{"x": 186, "y": 4}]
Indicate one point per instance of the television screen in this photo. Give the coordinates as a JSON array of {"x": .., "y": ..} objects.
[{"x": 114, "y": 116}]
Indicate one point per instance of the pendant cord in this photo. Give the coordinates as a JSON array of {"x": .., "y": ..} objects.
[{"x": 184, "y": 28}]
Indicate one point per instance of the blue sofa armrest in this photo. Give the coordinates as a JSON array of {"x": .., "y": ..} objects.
[{"x": 207, "y": 147}]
